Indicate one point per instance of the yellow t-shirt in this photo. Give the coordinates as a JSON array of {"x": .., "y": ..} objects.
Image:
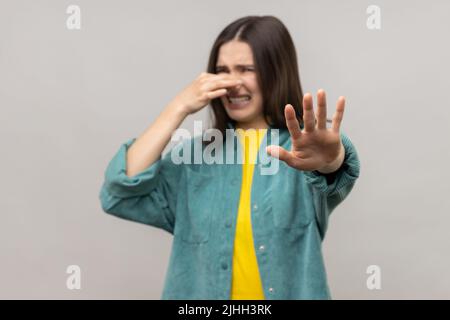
[{"x": 246, "y": 280}]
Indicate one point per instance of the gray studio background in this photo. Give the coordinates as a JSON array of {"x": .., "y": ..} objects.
[{"x": 69, "y": 99}]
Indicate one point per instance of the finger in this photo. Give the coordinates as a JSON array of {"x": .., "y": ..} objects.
[
  {"x": 308, "y": 113},
  {"x": 219, "y": 84},
  {"x": 338, "y": 115},
  {"x": 321, "y": 110},
  {"x": 213, "y": 75},
  {"x": 221, "y": 76},
  {"x": 207, "y": 77},
  {"x": 279, "y": 153},
  {"x": 286, "y": 156},
  {"x": 292, "y": 123},
  {"x": 215, "y": 94}
]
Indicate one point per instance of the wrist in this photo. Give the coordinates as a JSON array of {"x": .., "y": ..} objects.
[
  {"x": 178, "y": 109},
  {"x": 335, "y": 164}
]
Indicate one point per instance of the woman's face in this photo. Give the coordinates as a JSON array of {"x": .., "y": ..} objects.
[{"x": 244, "y": 103}]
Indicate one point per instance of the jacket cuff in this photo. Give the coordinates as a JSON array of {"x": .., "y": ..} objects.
[
  {"x": 347, "y": 173},
  {"x": 118, "y": 184}
]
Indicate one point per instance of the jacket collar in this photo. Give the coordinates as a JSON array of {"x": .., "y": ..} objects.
[{"x": 283, "y": 134}]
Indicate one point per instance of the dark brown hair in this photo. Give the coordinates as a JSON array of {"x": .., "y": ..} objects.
[{"x": 276, "y": 67}]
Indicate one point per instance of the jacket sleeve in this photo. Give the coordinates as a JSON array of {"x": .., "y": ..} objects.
[
  {"x": 148, "y": 197},
  {"x": 330, "y": 190}
]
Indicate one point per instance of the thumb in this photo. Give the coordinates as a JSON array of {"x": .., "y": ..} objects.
[{"x": 278, "y": 152}]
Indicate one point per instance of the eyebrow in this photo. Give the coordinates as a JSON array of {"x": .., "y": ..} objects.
[{"x": 236, "y": 66}]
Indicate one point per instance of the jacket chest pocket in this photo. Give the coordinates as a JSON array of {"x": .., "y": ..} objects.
[
  {"x": 196, "y": 207},
  {"x": 291, "y": 203}
]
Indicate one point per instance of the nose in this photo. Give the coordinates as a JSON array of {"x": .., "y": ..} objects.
[
  {"x": 236, "y": 75},
  {"x": 235, "y": 89},
  {"x": 238, "y": 86}
]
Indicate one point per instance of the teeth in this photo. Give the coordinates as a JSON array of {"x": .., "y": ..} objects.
[{"x": 237, "y": 100}]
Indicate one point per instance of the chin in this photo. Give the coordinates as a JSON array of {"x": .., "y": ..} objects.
[{"x": 239, "y": 115}]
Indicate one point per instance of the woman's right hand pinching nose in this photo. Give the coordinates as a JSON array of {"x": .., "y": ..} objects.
[{"x": 203, "y": 89}]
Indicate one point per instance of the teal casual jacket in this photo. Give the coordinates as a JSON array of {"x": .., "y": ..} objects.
[{"x": 198, "y": 204}]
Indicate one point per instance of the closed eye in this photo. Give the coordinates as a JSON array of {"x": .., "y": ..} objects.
[
  {"x": 221, "y": 69},
  {"x": 239, "y": 68}
]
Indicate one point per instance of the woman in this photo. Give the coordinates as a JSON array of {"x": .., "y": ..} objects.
[{"x": 238, "y": 233}]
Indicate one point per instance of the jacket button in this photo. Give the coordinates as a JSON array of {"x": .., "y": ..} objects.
[
  {"x": 224, "y": 266},
  {"x": 227, "y": 224},
  {"x": 262, "y": 248},
  {"x": 255, "y": 207},
  {"x": 271, "y": 290}
]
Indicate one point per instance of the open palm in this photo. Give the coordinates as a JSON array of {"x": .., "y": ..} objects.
[{"x": 316, "y": 147}]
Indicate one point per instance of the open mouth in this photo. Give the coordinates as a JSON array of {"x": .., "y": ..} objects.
[{"x": 239, "y": 100}]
